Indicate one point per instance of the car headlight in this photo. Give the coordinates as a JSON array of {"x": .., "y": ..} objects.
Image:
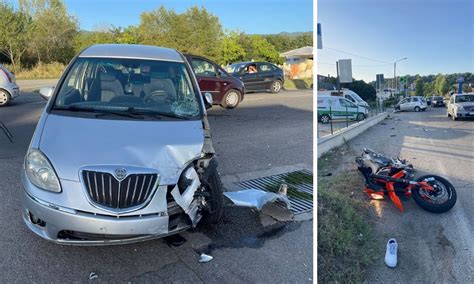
[
  {"x": 459, "y": 108},
  {"x": 40, "y": 171}
]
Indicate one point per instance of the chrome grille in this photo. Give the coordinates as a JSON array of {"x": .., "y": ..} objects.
[{"x": 104, "y": 189}]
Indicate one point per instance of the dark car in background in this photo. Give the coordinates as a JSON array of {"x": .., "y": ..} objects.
[
  {"x": 258, "y": 76},
  {"x": 227, "y": 91},
  {"x": 437, "y": 102}
]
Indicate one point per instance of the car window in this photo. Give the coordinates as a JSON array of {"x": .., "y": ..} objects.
[
  {"x": 350, "y": 98},
  {"x": 203, "y": 68},
  {"x": 265, "y": 67},
  {"x": 415, "y": 99},
  {"x": 464, "y": 98},
  {"x": 404, "y": 101},
  {"x": 346, "y": 103},
  {"x": 119, "y": 84}
]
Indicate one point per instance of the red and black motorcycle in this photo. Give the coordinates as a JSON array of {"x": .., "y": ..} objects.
[{"x": 395, "y": 178}]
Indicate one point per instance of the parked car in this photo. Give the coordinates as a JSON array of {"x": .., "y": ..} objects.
[
  {"x": 226, "y": 90},
  {"x": 461, "y": 106},
  {"x": 346, "y": 93},
  {"x": 333, "y": 107},
  {"x": 8, "y": 87},
  {"x": 416, "y": 103},
  {"x": 438, "y": 101},
  {"x": 258, "y": 76},
  {"x": 122, "y": 151}
]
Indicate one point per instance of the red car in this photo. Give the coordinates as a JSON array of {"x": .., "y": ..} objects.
[{"x": 227, "y": 91}]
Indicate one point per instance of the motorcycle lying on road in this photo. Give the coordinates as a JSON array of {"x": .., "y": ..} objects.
[{"x": 395, "y": 178}]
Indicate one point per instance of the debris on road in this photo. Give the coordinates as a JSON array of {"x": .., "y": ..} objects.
[
  {"x": 256, "y": 198},
  {"x": 205, "y": 258},
  {"x": 93, "y": 275},
  {"x": 393, "y": 135}
]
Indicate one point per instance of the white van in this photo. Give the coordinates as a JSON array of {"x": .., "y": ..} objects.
[
  {"x": 334, "y": 107},
  {"x": 346, "y": 93}
]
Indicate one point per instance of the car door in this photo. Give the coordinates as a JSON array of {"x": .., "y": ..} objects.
[
  {"x": 266, "y": 75},
  {"x": 251, "y": 79},
  {"x": 207, "y": 75},
  {"x": 348, "y": 109},
  {"x": 405, "y": 104}
]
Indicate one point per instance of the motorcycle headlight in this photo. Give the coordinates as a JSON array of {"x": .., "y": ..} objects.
[{"x": 40, "y": 171}]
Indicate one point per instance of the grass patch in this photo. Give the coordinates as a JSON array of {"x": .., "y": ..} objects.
[
  {"x": 298, "y": 84},
  {"x": 40, "y": 71},
  {"x": 345, "y": 236}
]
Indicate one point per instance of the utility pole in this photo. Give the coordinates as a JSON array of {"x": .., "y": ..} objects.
[{"x": 395, "y": 72}]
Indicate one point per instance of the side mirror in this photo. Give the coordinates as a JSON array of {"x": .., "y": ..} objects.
[
  {"x": 208, "y": 99},
  {"x": 46, "y": 92}
]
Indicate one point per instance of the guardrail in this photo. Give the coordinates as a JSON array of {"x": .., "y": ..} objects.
[{"x": 343, "y": 120}]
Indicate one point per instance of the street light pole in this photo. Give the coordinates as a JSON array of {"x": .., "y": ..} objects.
[{"x": 395, "y": 72}]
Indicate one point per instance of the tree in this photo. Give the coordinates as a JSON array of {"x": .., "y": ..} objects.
[
  {"x": 231, "y": 51},
  {"x": 195, "y": 31},
  {"x": 419, "y": 85},
  {"x": 15, "y": 32},
  {"x": 259, "y": 49},
  {"x": 54, "y": 30},
  {"x": 364, "y": 90},
  {"x": 441, "y": 86},
  {"x": 428, "y": 89}
]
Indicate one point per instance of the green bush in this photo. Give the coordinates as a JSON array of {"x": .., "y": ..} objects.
[{"x": 298, "y": 84}]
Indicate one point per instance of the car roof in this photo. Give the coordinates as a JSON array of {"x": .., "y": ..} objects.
[{"x": 137, "y": 51}]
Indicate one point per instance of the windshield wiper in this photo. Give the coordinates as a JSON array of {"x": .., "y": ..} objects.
[
  {"x": 76, "y": 108},
  {"x": 121, "y": 113}
]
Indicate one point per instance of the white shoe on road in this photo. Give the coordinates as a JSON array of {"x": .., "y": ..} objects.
[{"x": 391, "y": 253}]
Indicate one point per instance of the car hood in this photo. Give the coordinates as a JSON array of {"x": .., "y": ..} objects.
[
  {"x": 71, "y": 143},
  {"x": 465, "y": 104}
]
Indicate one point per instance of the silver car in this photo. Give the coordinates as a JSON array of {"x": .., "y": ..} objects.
[
  {"x": 415, "y": 103},
  {"x": 122, "y": 151},
  {"x": 8, "y": 87},
  {"x": 461, "y": 106}
]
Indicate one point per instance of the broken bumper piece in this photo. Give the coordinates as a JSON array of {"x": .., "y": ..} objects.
[{"x": 256, "y": 198}]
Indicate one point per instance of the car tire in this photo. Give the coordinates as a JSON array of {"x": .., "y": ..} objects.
[
  {"x": 276, "y": 86},
  {"x": 5, "y": 98},
  {"x": 325, "y": 119},
  {"x": 215, "y": 201},
  {"x": 417, "y": 108},
  {"x": 360, "y": 116},
  {"x": 231, "y": 99}
]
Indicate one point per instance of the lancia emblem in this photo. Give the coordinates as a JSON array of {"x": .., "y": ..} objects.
[{"x": 120, "y": 173}]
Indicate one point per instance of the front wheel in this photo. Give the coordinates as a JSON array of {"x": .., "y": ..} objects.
[
  {"x": 417, "y": 109},
  {"x": 276, "y": 86},
  {"x": 360, "y": 116},
  {"x": 325, "y": 119},
  {"x": 440, "y": 200},
  {"x": 214, "y": 201},
  {"x": 231, "y": 99}
]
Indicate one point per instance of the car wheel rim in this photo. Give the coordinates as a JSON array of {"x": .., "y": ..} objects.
[
  {"x": 325, "y": 119},
  {"x": 3, "y": 98},
  {"x": 276, "y": 86},
  {"x": 232, "y": 99}
]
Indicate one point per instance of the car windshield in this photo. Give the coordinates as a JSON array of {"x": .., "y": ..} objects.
[
  {"x": 464, "y": 98},
  {"x": 234, "y": 68},
  {"x": 129, "y": 85}
]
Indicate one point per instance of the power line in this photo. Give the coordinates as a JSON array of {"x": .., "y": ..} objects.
[{"x": 353, "y": 54}]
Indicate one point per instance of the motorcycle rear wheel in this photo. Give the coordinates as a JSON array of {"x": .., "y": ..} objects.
[{"x": 441, "y": 200}]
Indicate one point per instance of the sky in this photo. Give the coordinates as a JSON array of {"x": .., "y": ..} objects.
[
  {"x": 436, "y": 36},
  {"x": 249, "y": 16}
]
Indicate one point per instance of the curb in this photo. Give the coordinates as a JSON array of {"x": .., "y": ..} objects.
[{"x": 327, "y": 143}]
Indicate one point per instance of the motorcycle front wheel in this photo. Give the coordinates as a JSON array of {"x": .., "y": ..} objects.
[{"x": 440, "y": 200}]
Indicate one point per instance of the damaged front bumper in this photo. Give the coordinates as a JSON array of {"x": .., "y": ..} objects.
[
  {"x": 64, "y": 225},
  {"x": 68, "y": 226}
]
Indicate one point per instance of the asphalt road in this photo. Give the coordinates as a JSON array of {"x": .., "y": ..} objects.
[
  {"x": 266, "y": 134},
  {"x": 433, "y": 248}
]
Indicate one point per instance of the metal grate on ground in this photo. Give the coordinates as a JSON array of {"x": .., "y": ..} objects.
[{"x": 300, "y": 188}]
